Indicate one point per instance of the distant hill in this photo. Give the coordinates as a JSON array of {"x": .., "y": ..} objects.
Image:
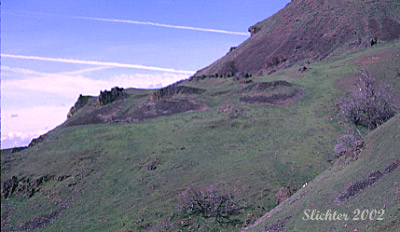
[{"x": 309, "y": 30}]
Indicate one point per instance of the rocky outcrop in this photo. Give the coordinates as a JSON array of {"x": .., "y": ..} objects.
[
  {"x": 253, "y": 30},
  {"x": 18, "y": 149},
  {"x": 368, "y": 42},
  {"x": 107, "y": 97},
  {"x": 80, "y": 103},
  {"x": 23, "y": 186},
  {"x": 172, "y": 90},
  {"x": 38, "y": 140}
]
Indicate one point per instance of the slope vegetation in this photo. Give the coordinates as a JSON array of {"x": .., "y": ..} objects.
[
  {"x": 367, "y": 190},
  {"x": 119, "y": 174}
]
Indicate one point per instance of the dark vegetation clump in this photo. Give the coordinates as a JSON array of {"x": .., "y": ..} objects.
[
  {"x": 208, "y": 203},
  {"x": 278, "y": 226},
  {"x": 370, "y": 104},
  {"x": 107, "y": 97},
  {"x": 279, "y": 98}
]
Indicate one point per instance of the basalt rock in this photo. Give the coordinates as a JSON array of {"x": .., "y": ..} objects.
[
  {"x": 253, "y": 30},
  {"x": 107, "y": 97},
  {"x": 18, "y": 149},
  {"x": 38, "y": 140},
  {"x": 23, "y": 186},
  {"x": 80, "y": 103}
]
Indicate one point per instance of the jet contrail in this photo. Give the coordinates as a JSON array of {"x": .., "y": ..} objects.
[
  {"x": 132, "y": 22},
  {"x": 89, "y": 62},
  {"x": 162, "y": 25}
]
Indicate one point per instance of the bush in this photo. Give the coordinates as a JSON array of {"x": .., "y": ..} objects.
[
  {"x": 370, "y": 104},
  {"x": 346, "y": 144},
  {"x": 208, "y": 203}
]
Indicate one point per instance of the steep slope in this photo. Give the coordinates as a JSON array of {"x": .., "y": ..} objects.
[
  {"x": 368, "y": 190},
  {"x": 309, "y": 30},
  {"x": 116, "y": 176}
]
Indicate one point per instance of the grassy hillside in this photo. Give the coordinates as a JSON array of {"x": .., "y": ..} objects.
[
  {"x": 381, "y": 155},
  {"x": 117, "y": 176}
]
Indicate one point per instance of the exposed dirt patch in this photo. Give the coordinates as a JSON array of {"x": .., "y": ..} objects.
[
  {"x": 172, "y": 90},
  {"x": 158, "y": 109},
  {"x": 41, "y": 221},
  {"x": 374, "y": 58},
  {"x": 5, "y": 215},
  {"x": 362, "y": 184},
  {"x": 219, "y": 93},
  {"x": 391, "y": 28},
  {"x": 264, "y": 86},
  {"x": 275, "y": 99},
  {"x": 278, "y": 226},
  {"x": 95, "y": 116}
]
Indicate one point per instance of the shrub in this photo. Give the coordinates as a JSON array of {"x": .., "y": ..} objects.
[
  {"x": 209, "y": 203},
  {"x": 346, "y": 144},
  {"x": 370, "y": 104}
]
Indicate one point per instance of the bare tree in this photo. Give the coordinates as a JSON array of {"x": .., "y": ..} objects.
[{"x": 370, "y": 104}]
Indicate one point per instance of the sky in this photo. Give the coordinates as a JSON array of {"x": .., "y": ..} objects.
[{"x": 52, "y": 51}]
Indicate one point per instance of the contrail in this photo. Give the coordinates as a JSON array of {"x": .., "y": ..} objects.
[
  {"x": 132, "y": 22},
  {"x": 89, "y": 62},
  {"x": 162, "y": 25}
]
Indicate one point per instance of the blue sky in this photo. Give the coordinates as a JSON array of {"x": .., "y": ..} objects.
[{"x": 52, "y": 51}]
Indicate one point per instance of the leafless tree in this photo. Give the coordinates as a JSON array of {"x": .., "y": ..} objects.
[{"x": 370, "y": 104}]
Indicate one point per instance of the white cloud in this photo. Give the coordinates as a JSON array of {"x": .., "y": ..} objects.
[
  {"x": 30, "y": 123},
  {"x": 98, "y": 63},
  {"x": 71, "y": 84}
]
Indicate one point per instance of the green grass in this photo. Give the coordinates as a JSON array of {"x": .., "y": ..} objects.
[
  {"x": 266, "y": 147},
  {"x": 382, "y": 148}
]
